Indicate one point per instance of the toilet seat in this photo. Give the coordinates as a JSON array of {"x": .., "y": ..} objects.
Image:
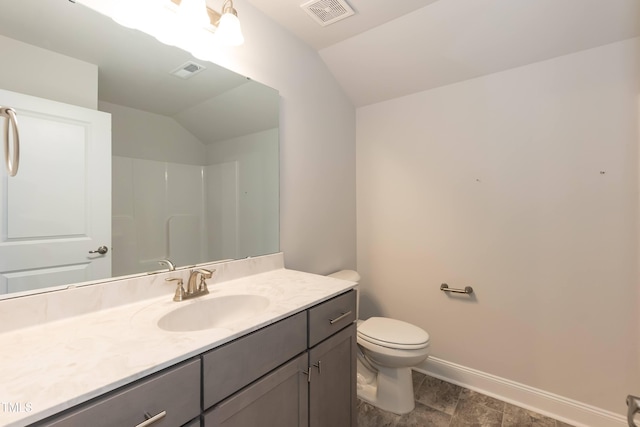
[{"x": 392, "y": 333}]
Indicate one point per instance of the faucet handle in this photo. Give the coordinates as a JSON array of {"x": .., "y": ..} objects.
[
  {"x": 206, "y": 274},
  {"x": 179, "y": 290}
]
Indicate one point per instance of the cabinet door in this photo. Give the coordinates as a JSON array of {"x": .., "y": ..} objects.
[
  {"x": 280, "y": 399},
  {"x": 332, "y": 390},
  {"x": 193, "y": 423},
  {"x": 229, "y": 368}
]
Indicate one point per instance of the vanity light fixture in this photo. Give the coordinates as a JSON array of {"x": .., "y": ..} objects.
[
  {"x": 226, "y": 24},
  {"x": 229, "y": 31},
  {"x": 193, "y": 12},
  {"x": 188, "y": 24}
]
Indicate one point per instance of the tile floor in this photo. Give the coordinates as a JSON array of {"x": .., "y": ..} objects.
[{"x": 442, "y": 404}]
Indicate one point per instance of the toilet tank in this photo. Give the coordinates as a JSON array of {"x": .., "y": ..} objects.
[{"x": 352, "y": 276}]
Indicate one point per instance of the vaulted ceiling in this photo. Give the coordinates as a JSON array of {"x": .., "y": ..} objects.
[
  {"x": 389, "y": 49},
  {"x": 386, "y": 49},
  {"x": 135, "y": 70}
]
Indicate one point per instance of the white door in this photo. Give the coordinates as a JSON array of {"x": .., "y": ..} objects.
[{"x": 58, "y": 207}]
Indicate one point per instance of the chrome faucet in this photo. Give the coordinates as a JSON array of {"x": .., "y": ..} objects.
[
  {"x": 194, "y": 288},
  {"x": 168, "y": 263},
  {"x": 201, "y": 287},
  {"x": 179, "y": 296}
]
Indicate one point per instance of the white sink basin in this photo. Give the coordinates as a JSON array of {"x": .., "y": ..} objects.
[{"x": 218, "y": 312}]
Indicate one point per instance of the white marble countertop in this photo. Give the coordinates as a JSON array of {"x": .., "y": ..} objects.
[{"x": 53, "y": 366}]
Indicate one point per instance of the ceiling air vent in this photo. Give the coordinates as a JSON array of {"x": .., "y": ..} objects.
[
  {"x": 188, "y": 70},
  {"x": 326, "y": 12}
]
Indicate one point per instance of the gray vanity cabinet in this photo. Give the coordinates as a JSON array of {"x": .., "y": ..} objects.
[
  {"x": 331, "y": 316},
  {"x": 332, "y": 362},
  {"x": 274, "y": 396},
  {"x": 194, "y": 423},
  {"x": 297, "y": 372},
  {"x": 277, "y": 400},
  {"x": 332, "y": 393},
  {"x": 229, "y": 368},
  {"x": 172, "y": 397},
  {"x": 315, "y": 389}
]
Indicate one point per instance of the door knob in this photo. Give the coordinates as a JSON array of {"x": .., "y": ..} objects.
[{"x": 101, "y": 250}]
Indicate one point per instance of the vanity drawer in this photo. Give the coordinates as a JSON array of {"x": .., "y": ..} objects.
[
  {"x": 175, "y": 391},
  {"x": 331, "y": 316},
  {"x": 229, "y": 368}
]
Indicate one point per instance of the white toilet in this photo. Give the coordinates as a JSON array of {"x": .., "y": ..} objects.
[{"x": 388, "y": 348}]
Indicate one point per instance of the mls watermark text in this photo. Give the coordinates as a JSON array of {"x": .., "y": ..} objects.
[{"x": 15, "y": 407}]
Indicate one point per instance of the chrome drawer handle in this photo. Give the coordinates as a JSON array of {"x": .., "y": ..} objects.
[
  {"x": 339, "y": 318},
  {"x": 308, "y": 374},
  {"x": 150, "y": 420}
]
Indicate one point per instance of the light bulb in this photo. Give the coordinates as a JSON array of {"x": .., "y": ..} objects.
[
  {"x": 229, "y": 32},
  {"x": 194, "y": 12}
]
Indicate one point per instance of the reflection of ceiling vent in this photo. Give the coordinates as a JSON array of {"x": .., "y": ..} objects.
[
  {"x": 326, "y": 12},
  {"x": 188, "y": 70}
]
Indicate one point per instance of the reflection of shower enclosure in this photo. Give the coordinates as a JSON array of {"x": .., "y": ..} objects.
[
  {"x": 186, "y": 213},
  {"x": 177, "y": 197}
]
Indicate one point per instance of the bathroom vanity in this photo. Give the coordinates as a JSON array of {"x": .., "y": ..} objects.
[{"x": 291, "y": 364}]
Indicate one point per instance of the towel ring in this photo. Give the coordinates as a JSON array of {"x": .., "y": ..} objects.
[{"x": 12, "y": 161}]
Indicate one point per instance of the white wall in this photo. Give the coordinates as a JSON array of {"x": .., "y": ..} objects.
[
  {"x": 154, "y": 217},
  {"x": 154, "y": 160},
  {"x": 143, "y": 135},
  {"x": 229, "y": 212},
  {"x": 523, "y": 184},
  {"x": 256, "y": 160},
  {"x": 317, "y": 134},
  {"x": 40, "y": 72},
  {"x": 317, "y": 150}
]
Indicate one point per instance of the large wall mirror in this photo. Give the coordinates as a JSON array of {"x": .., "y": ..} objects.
[{"x": 191, "y": 154}]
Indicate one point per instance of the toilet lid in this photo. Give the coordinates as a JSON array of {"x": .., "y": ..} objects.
[{"x": 393, "y": 333}]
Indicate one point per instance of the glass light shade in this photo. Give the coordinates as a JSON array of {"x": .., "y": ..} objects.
[{"x": 228, "y": 31}]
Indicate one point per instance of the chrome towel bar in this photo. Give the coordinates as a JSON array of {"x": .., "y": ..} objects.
[
  {"x": 11, "y": 161},
  {"x": 467, "y": 289}
]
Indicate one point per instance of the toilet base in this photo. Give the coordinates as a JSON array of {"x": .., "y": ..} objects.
[{"x": 390, "y": 389}]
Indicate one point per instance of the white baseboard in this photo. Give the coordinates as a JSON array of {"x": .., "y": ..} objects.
[{"x": 570, "y": 411}]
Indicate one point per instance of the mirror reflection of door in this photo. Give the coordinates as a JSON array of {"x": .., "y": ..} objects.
[{"x": 57, "y": 210}]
